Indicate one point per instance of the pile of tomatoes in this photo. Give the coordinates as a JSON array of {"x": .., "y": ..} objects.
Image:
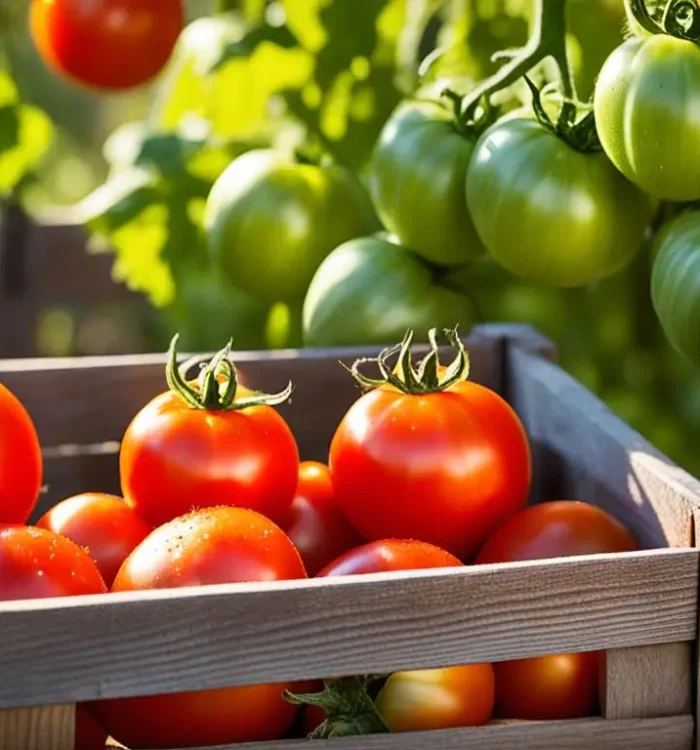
[{"x": 426, "y": 470}]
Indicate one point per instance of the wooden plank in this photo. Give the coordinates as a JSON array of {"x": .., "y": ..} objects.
[
  {"x": 185, "y": 639},
  {"x": 696, "y": 663},
  {"x": 39, "y": 728},
  {"x": 100, "y": 395},
  {"x": 647, "y": 682},
  {"x": 674, "y": 733},
  {"x": 583, "y": 451}
]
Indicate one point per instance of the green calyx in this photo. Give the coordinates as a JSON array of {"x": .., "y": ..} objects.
[
  {"x": 217, "y": 386},
  {"x": 579, "y": 132},
  {"x": 349, "y": 708},
  {"x": 474, "y": 120},
  {"x": 426, "y": 377},
  {"x": 681, "y": 18}
]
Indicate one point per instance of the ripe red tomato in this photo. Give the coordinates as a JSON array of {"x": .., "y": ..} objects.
[
  {"x": 317, "y": 526},
  {"x": 561, "y": 686},
  {"x": 388, "y": 555},
  {"x": 38, "y": 564},
  {"x": 106, "y": 44},
  {"x": 103, "y": 525},
  {"x": 421, "y": 700},
  {"x": 546, "y": 688},
  {"x": 89, "y": 735},
  {"x": 214, "y": 545},
  {"x": 187, "y": 450},
  {"x": 560, "y": 528},
  {"x": 445, "y": 467},
  {"x": 20, "y": 460}
]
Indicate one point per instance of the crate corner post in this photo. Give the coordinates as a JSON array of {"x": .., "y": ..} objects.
[{"x": 38, "y": 728}]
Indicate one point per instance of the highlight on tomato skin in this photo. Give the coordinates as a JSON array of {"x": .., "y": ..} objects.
[{"x": 107, "y": 45}]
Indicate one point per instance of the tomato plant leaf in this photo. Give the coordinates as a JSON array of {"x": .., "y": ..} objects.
[{"x": 279, "y": 35}]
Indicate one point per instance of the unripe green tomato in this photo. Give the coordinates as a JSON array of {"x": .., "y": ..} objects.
[
  {"x": 416, "y": 181},
  {"x": 647, "y": 110},
  {"x": 370, "y": 291},
  {"x": 548, "y": 212},
  {"x": 675, "y": 283},
  {"x": 270, "y": 221}
]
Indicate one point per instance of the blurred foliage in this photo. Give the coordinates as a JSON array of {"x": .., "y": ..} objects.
[{"x": 325, "y": 73}]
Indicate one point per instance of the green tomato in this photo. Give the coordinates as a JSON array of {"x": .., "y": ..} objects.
[
  {"x": 675, "y": 283},
  {"x": 550, "y": 213},
  {"x": 416, "y": 181},
  {"x": 370, "y": 291},
  {"x": 271, "y": 221},
  {"x": 209, "y": 309},
  {"x": 647, "y": 109}
]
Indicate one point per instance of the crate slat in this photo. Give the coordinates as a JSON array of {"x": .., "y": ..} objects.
[
  {"x": 186, "y": 639},
  {"x": 672, "y": 733},
  {"x": 583, "y": 451}
]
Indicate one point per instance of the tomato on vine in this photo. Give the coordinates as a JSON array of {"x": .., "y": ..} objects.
[
  {"x": 110, "y": 45},
  {"x": 646, "y": 103},
  {"x": 675, "y": 283},
  {"x": 549, "y": 206},
  {"x": 207, "y": 443},
  {"x": 417, "y": 175},
  {"x": 272, "y": 218},
  {"x": 21, "y": 464},
  {"x": 428, "y": 455}
]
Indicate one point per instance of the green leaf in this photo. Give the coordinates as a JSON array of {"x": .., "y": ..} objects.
[
  {"x": 25, "y": 136},
  {"x": 279, "y": 35}
]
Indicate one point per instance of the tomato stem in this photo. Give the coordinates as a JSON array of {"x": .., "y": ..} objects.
[
  {"x": 349, "y": 708},
  {"x": 426, "y": 378},
  {"x": 216, "y": 388},
  {"x": 547, "y": 40}
]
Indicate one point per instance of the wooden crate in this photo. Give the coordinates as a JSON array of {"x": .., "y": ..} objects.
[{"x": 641, "y": 608}]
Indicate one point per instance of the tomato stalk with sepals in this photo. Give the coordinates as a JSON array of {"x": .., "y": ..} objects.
[
  {"x": 647, "y": 98},
  {"x": 427, "y": 454},
  {"x": 209, "y": 442}
]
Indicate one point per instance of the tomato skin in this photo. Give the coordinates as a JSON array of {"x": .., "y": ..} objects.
[
  {"x": 106, "y": 44},
  {"x": 38, "y": 564},
  {"x": 174, "y": 459},
  {"x": 645, "y": 115},
  {"x": 560, "y": 686},
  {"x": 527, "y": 190},
  {"x": 675, "y": 283},
  {"x": 446, "y": 468},
  {"x": 547, "y": 688},
  {"x": 89, "y": 734},
  {"x": 370, "y": 291},
  {"x": 21, "y": 465},
  {"x": 215, "y": 545},
  {"x": 270, "y": 221},
  {"x": 559, "y": 528},
  {"x": 103, "y": 525},
  {"x": 422, "y": 700},
  {"x": 417, "y": 178},
  {"x": 390, "y": 555},
  {"x": 317, "y": 525}
]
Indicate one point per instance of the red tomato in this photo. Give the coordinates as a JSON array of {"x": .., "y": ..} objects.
[
  {"x": 89, "y": 735},
  {"x": 38, "y": 564},
  {"x": 106, "y": 44},
  {"x": 389, "y": 555},
  {"x": 421, "y": 700},
  {"x": 175, "y": 458},
  {"x": 561, "y": 528},
  {"x": 561, "y": 686},
  {"x": 20, "y": 460},
  {"x": 447, "y": 468},
  {"x": 317, "y": 526},
  {"x": 103, "y": 525},
  {"x": 215, "y": 545}
]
